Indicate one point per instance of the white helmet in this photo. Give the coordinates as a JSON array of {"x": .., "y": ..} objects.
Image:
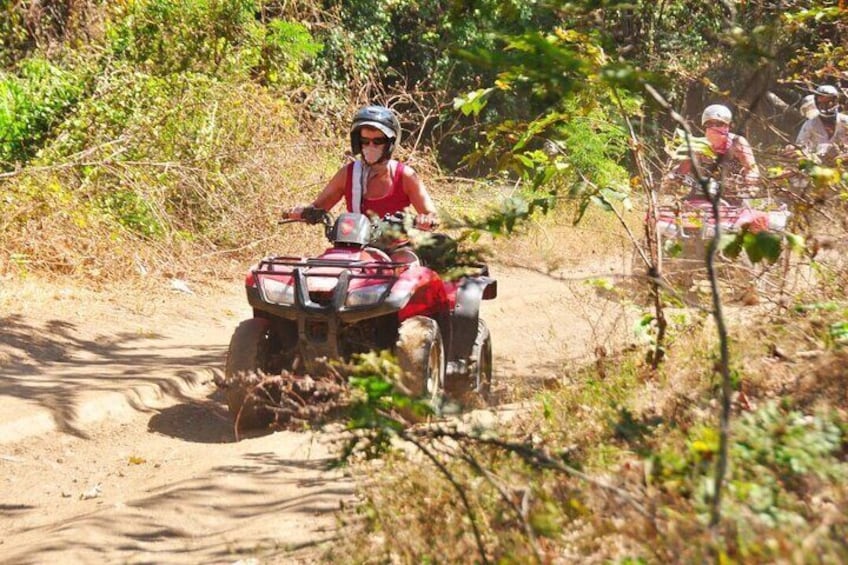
[
  {"x": 827, "y": 90},
  {"x": 717, "y": 112}
]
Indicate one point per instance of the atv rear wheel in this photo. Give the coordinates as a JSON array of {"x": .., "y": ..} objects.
[
  {"x": 421, "y": 355},
  {"x": 249, "y": 360},
  {"x": 481, "y": 357}
]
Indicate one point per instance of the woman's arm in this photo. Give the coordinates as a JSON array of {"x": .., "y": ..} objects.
[
  {"x": 746, "y": 156},
  {"x": 333, "y": 192},
  {"x": 329, "y": 197},
  {"x": 420, "y": 199}
]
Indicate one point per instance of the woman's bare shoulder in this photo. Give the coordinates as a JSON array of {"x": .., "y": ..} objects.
[{"x": 409, "y": 172}]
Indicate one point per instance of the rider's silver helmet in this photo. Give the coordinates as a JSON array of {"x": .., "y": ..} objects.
[{"x": 718, "y": 113}]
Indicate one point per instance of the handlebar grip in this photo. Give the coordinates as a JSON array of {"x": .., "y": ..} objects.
[
  {"x": 400, "y": 218},
  {"x": 312, "y": 215},
  {"x": 395, "y": 218}
]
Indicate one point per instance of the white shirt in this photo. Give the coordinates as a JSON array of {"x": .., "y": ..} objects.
[{"x": 813, "y": 135}]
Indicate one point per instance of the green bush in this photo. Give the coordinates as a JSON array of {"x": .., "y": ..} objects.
[
  {"x": 165, "y": 154},
  {"x": 14, "y": 39},
  {"x": 286, "y": 47},
  {"x": 356, "y": 47},
  {"x": 132, "y": 211},
  {"x": 172, "y": 36},
  {"x": 33, "y": 101},
  {"x": 221, "y": 38},
  {"x": 779, "y": 458}
]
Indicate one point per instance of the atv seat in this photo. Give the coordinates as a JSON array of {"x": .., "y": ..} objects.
[{"x": 405, "y": 255}]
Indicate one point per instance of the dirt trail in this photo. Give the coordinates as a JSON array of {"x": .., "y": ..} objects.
[{"x": 130, "y": 455}]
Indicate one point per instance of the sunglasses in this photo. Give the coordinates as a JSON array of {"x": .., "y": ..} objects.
[{"x": 373, "y": 140}]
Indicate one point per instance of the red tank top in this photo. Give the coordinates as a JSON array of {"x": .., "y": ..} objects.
[{"x": 395, "y": 201}]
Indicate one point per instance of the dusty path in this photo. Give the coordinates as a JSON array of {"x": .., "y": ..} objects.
[{"x": 114, "y": 446}]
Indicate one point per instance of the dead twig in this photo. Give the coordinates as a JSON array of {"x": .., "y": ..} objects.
[{"x": 531, "y": 455}]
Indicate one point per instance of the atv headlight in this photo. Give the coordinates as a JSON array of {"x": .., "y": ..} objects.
[
  {"x": 367, "y": 295},
  {"x": 277, "y": 292}
]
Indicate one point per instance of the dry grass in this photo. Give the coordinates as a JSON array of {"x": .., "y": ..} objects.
[
  {"x": 215, "y": 205},
  {"x": 623, "y": 426},
  {"x": 555, "y": 244},
  {"x": 576, "y": 521}
]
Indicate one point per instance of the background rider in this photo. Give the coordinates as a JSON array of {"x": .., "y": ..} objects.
[
  {"x": 732, "y": 160},
  {"x": 825, "y": 134}
]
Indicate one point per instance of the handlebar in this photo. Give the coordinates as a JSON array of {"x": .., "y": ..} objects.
[
  {"x": 400, "y": 220},
  {"x": 312, "y": 215}
]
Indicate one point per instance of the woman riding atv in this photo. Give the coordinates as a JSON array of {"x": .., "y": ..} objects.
[
  {"x": 380, "y": 186},
  {"x": 376, "y": 184},
  {"x": 726, "y": 157},
  {"x": 723, "y": 158}
]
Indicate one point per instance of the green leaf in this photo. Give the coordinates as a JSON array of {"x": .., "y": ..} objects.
[
  {"x": 672, "y": 248},
  {"x": 524, "y": 160},
  {"x": 547, "y": 408},
  {"x": 839, "y": 332},
  {"x": 613, "y": 194},
  {"x": 824, "y": 306},
  {"x": 645, "y": 329},
  {"x": 602, "y": 202},
  {"x": 752, "y": 249},
  {"x": 763, "y": 245},
  {"x": 732, "y": 246},
  {"x": 581, "y": 211},
  {"x": 796, "y": 242},
  {"x": 473, "y": 102},
  {"x": 697, "y": 145}
]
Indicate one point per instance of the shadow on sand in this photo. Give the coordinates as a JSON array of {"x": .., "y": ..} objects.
[{"x": 53, "y": 366}]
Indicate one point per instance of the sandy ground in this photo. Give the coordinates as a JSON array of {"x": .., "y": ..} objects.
[{"x": 115, "y": 446}]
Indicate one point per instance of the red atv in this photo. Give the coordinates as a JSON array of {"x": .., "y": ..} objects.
[{"x": 354, "y": 298}]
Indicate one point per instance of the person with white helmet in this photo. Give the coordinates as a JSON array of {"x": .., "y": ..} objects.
[
  {"x": 375, "y": 183},
  {"x": 827, "y": 132},
  {"x": 731, "y": 155}
]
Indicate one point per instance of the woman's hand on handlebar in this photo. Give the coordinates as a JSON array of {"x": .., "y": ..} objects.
[
  {"x": 309, "y": 214},
  {"x": 426, "y": 222},
  {"x": 294, "y": 213}
]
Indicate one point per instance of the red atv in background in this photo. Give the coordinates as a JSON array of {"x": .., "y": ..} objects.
[
  {"x": 354, "y": 298},
  {"x": 685, "y": 226}
]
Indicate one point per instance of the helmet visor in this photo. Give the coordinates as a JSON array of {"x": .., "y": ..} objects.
[
  {"x": 387, "y": 131},
  {"x": 825, "y": 102}
]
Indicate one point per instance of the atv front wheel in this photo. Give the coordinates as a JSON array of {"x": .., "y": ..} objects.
[
  {"x": 249, "y": 359},
  {"x": 421, "y": 355}
]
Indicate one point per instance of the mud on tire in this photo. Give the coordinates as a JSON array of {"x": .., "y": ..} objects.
[
  {"x": 249, "y": 360},
  {"x": 421, "y": 356}
]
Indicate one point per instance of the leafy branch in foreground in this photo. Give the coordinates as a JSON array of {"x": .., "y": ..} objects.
[
  {"x": 639, "y": 486},
  {"x": 383, "y": 417},
  {"x": 576, "y": 68}
]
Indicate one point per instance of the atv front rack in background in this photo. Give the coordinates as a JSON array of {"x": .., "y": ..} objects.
[{"x": 694, "y": 220}]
